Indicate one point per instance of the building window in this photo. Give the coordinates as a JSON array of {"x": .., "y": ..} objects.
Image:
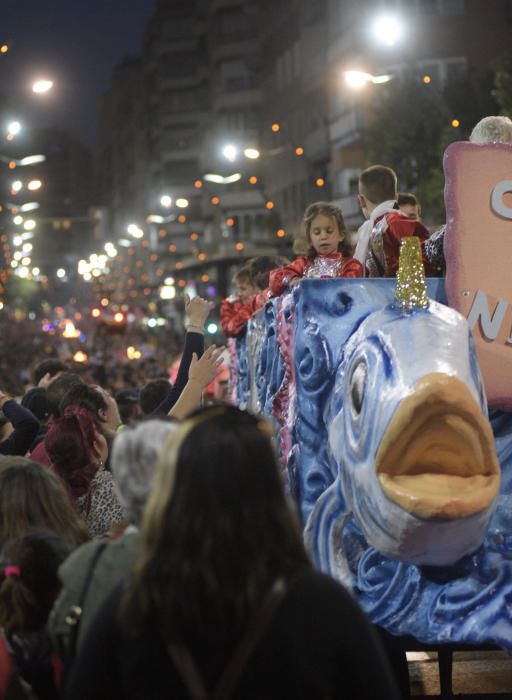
[
  {"x": 280, "y": 73},
  {"x": 443, "y": 70},
  {"x": 234, "y": 25},
  {"x": 433, "y": 69},
  {"x": 427, "y": 7},
  {"x": 296, "y": 59},
  {"x": 180, "y": 64},
  {"x": 187, "y": 100},
  {"x": 456, "y": 69},
  {"x": 453, "y": 7},
  {"x": 235, "y": 76}
]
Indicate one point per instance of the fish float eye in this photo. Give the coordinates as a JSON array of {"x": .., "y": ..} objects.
[{"x": 358, "y": 386}]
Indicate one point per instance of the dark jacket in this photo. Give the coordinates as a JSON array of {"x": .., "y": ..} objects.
[
  {"x": 319, "y": 644},
  {"x": 26, "y": 427}
]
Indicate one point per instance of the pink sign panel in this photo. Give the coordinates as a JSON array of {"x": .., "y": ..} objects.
[{"x": 478, "y": 249}]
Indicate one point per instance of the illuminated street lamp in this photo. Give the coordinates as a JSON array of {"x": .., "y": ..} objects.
[
  {"x": 157, "y": 219},
  {"x": 28, "y": 160},
  {"x": 166, "y": 200},
  {"x": 182, "y": 203},
  {"x": 221, "y": 179},
  {"x": 13, "y": 128},
  {"x": 29, "y": 206},
  {"x": 135, "y": 231},
  {"x": 357, "y": 79},
  {"x": 40, "y": 87},
  {"x": 387, "y": 29},
  {"x": 31, "y": 160},
  {"x": 230, "y": 152},
  {"x": 251, "y": 153},
  {"x": 34, "y": 185}
]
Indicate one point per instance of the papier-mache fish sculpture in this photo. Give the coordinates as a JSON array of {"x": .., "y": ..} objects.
[
  {"x": 404, "y": 486},
  {"x": 414, "y": 450}
]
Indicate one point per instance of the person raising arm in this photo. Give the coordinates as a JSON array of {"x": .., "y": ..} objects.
[{"x": 202, "y": 372}]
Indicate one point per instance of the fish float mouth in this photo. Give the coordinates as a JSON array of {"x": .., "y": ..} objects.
[{"x": 437, "y": 459}]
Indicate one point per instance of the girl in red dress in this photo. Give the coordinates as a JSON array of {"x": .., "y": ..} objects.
[{"x": 324, "y": 230}]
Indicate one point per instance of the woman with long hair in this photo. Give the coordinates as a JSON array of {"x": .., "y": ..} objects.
[
  {"x": 103, "y": 564},
  {"x": 223, "y": 601},
  {"x": 78, "y": 451},
  {"x": 32, "y": 497}
]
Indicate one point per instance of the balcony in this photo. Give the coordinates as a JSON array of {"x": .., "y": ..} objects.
[
  {"x": 349, "y": 205},
  {"x": 346, "y": 128},
  {"x": 250, "y": 199}
]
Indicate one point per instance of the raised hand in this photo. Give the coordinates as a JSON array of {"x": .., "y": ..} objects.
[
  {"x": 196, "y": 313},
  {"x": 204, "y": 370}
]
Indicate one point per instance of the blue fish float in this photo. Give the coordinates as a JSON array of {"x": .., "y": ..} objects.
[{"x": 403, "y": 483}]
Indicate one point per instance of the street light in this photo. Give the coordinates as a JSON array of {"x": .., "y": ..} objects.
[
  {"x": 135, "y": 231},
  {"x": 157, "y": 219},
  {"x": 42, "y": 86},
  {"x": 357, "y": 79},
  {"x": 31, "y": 160},
  {"x": 13, "y": 128},
  {"x": 387, "y": 29},
  {"x": 34, "y": 185},
  {"x": 166, "y": 200},
  {"x": 182, "y": 203},
  {"x": 29, "y": 206},
  {"x": 28, "y": 160},
  {"x": 221, "y": 179},
  {"x": 251, "y": 153},
  {"x": 230, "y": 152}
]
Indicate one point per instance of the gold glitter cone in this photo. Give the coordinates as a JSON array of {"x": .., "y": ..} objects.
[{"x": 411, "y": 286}]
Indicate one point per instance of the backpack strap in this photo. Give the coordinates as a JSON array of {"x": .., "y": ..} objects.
[
  {"x": 258, "y": 623},
  {"x": 74, "y": 615}
]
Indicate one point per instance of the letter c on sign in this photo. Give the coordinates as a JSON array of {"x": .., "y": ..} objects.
[{"x": 497, "y": 199}]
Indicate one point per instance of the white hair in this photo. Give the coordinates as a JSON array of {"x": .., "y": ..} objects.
[
  {"x": 134, "y": 461},
  {"x": 492, "y": 130}
]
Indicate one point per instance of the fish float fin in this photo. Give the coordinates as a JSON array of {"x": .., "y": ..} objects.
[
  {"x": 323, "y": 535},
  {"x": 411, "y": 285}
]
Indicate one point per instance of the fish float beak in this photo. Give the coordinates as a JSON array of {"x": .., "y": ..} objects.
[{"x": 437, "y": 459}]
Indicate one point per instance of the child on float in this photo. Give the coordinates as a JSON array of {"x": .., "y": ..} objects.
[
  {"x": 251, "y": 294},
  {"x": 238, "y": 308},
  {"x": 324, "y": 230}
]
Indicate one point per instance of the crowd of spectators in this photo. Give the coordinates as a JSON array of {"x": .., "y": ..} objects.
[
  {"x": 148, "y": 549},
  {"x": 147, "y": 546}
]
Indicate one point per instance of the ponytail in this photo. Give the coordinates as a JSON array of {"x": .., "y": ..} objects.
[
  {"x": 16, "y": 601},
  {"x": 29, "y": 582}
]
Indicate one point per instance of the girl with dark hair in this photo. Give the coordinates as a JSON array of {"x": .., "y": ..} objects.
[
  {"x": 223, "y": 601},
  {"x": 28, "y": 588},
  {"x": 30, "y": 496},
  {"x": 322, "y": 234},
  {"x": 78, "y": 451}
]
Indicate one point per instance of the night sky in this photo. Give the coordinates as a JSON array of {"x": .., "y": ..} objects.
[{"x": 77, "y": 43}]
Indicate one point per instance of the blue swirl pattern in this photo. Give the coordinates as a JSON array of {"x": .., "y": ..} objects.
[{"x": 468, "y": 602}]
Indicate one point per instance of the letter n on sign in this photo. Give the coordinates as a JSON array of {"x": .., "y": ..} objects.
[{"x": 478, "y": 249}]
